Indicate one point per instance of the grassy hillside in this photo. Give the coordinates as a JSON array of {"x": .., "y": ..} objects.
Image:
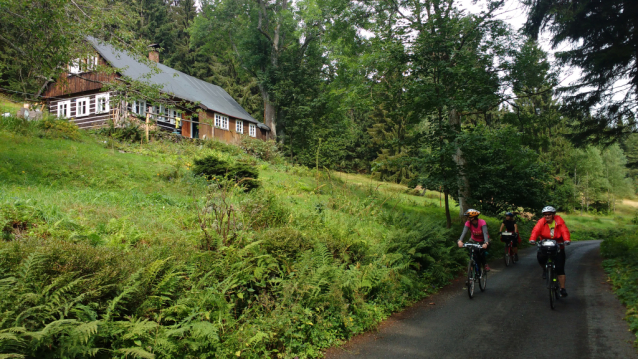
[{"x": 103, "y": 251}]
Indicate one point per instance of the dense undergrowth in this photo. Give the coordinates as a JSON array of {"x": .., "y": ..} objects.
[
  {"x": 117, "y": 249},
  {"x": 620, "y": 248}
]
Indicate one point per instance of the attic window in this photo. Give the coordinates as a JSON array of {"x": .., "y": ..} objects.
[
  {"x": 80, "y": 65},
  {"x": 252, "y": 130},
  {"x": 239, "y": 126},
  {"x": 102, "y": 103},
  {"x": 221, "y": 121},
  {"x": 82, "y": 107}
]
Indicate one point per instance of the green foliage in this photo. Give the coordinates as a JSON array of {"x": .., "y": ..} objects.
[
  {"x": 211, "y": 168},
  {"x": 620, "y": 249},
  {"x": 501, "y": 169},
  {"x": 41, "y": 37},
  {"x": 18, "y": 217},
  {"x": 110, "y": 263},
  {"x": 47, "y": 127},
  {"x": 597, "y": 32},
  {"x": 264, "y": 150},
  {"x": 130, "y": 133}
]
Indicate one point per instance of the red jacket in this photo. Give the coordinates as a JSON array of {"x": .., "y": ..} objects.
[{"x": 541, "y": 229}]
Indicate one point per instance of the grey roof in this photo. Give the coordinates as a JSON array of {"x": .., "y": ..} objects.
[{"x": 175, "y": 83}]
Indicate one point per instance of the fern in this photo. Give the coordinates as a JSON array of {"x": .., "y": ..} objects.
[{"x": 135, "y": 352}]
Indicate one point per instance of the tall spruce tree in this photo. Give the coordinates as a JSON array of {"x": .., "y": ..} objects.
[{"x": 603, "y": 36}]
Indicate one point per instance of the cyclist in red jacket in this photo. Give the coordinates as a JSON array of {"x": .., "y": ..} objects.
[{"x": 553, "y": 227}]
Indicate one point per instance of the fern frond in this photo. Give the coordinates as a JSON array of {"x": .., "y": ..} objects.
[
  {"x": 136, "y": 352},
  {"x": 83, "y": 332}
]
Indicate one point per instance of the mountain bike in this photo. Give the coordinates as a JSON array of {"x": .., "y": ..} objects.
[
  {"x": 551, "y": 249},
  {"x": 475, "y": 272},
  {"x": 509, "y": 238}
]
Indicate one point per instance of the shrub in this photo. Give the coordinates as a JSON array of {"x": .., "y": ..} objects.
[
  {"x": 220, "y": 146},
  {"x": 58, "y": 128},
  {"x": 285, "y": 244},
  {"x": 263, "y": 150},
  {"x": 263, "y": 210},
  {"x": 47, "y": 127},
  {"x": 129, "y": 133},
  {"x": 211, "y": 168}
]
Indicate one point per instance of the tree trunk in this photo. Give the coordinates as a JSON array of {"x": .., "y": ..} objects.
[
  {"x": 270, "y": 112},
  {"x": 448, "y": 218},
  {"x": 459, "y": 159}
]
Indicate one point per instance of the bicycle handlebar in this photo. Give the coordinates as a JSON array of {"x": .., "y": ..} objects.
[{"x": 475, "y": 245}]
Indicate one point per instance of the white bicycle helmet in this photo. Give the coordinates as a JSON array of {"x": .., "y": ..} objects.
[{"x": 549, "y": 209}]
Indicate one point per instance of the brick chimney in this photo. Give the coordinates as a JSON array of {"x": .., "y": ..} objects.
[{"x": 153, "y": 54}]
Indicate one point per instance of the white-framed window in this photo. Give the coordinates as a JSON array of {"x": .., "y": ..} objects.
[
  {"x": 80, "y": 65},
  {"x": 221, "y": 121},
  {"x": 239, "y": 126},
  {"x": 64, "y": 109},
  {"x": 173, "y": 115},
  {"x": 139, "y": 107},
  {"x": 155, "y": 110},
  {"x": 82, "y": 107},
  {"x": 74, "y": 66},
  {"x": 102, "y": 103},
  {"x": 252, "y": 130}
]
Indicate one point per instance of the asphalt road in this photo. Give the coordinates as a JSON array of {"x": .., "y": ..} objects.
[{"x": 511, "y": 319}]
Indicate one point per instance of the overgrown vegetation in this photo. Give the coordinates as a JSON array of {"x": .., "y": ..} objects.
[
  {"x": 116, "y": 249},
  {"x": 213, "y": 168},
  {"x": 620, "y": 249}
]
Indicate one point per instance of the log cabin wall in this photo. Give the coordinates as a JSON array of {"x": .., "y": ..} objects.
[{"x": 92, "y": 119}]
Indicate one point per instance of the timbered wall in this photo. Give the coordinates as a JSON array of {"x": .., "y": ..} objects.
[
  {"x": 92, "y": 119},
  {"x": 89, "y": 84},
  {"x": 207, "y": 129},
  {"x": 67, "y": 84}
]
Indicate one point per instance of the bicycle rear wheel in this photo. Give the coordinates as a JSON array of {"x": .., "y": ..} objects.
[
  {"x": 550, "y": 286},
  {"x": 483, "y": 279},
  {"x": 470, "y": 279},
  {"x": 508, "y": 256}
]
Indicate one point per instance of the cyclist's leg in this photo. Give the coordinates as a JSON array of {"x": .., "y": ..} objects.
[
  {"x": 515, "y": 245},
  {"x": 560, "y": 268},
  {"x": 542, "y": 258},
  {"x": 484, "y": 257}
]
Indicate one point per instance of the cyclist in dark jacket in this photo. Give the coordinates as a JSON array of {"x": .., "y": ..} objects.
[{"x": 510, "y": 225}]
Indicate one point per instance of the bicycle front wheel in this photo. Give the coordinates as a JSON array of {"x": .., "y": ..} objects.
[
  {"x": 470, "y": 279},
  {"x": 550, "y": 285}
]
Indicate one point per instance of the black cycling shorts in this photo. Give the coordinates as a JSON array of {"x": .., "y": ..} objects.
[
  {"x": 559, "y": 261},
  {"x": 512, "y": 239}
]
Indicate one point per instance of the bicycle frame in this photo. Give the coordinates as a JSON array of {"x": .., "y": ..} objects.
[
  {"x": 550, "y": 268},
  {"x": 475, "y": 271}
]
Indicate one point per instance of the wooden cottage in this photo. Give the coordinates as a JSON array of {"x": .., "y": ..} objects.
[{"x": 78, "y": 95}]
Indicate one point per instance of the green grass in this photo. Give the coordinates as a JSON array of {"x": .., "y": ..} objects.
[
  {"x": 620, "y": 249},
  {"x": 8, "y": 106},
  {"x": 103, "y": 250},
  {"x": 112, "y": 231}
]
